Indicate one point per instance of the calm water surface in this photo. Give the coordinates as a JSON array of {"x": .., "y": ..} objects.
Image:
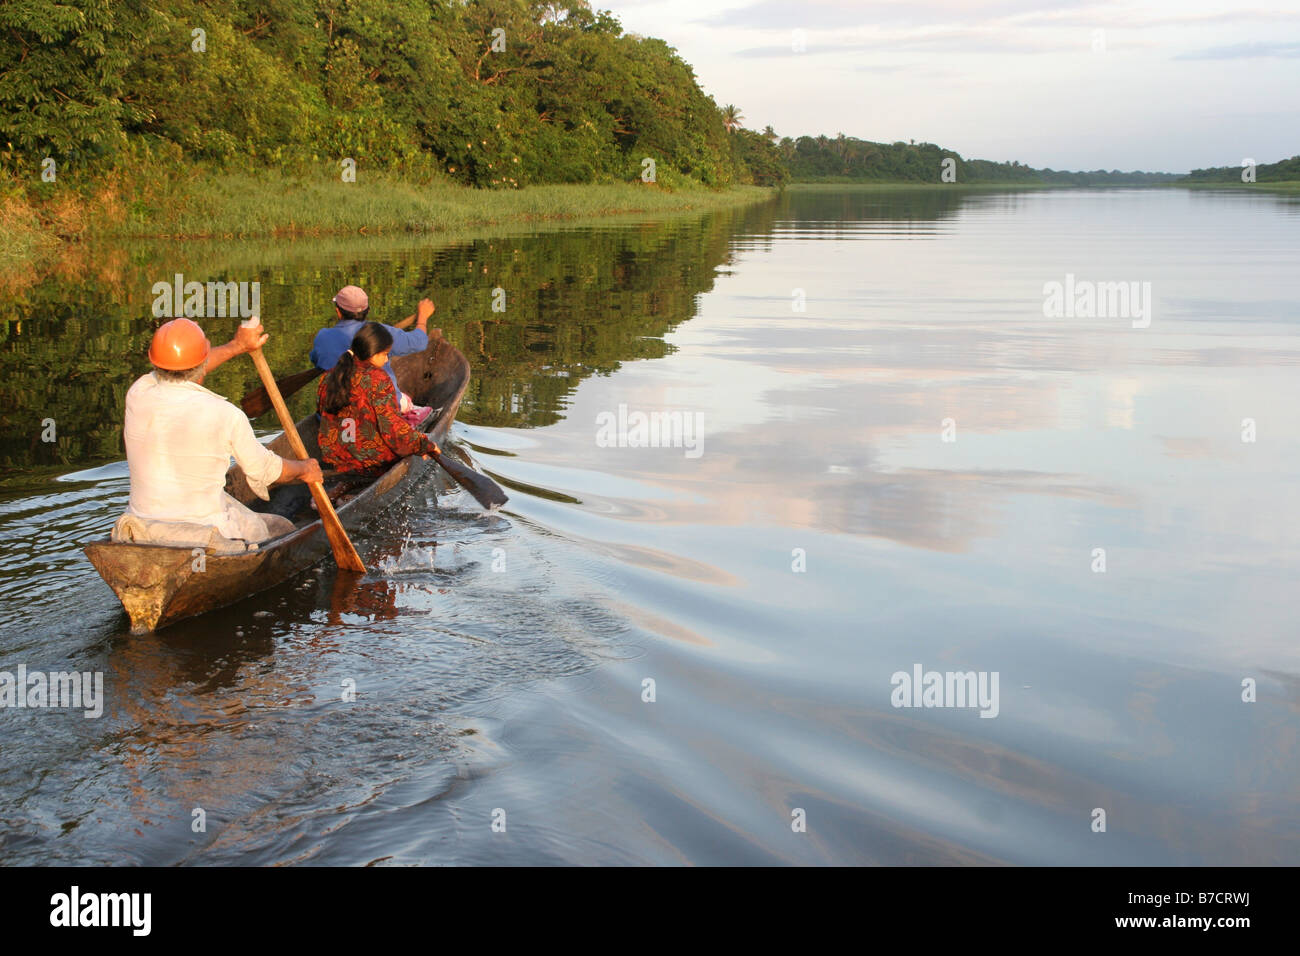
[{"x": 500, "y": 661}]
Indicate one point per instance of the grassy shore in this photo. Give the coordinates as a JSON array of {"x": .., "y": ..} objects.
[
  {"x": 38, "y": 222},
  {"x": 271, "y": 205}
]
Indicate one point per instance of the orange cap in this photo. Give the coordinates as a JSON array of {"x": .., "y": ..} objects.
[{"x": 179, "y": 345}]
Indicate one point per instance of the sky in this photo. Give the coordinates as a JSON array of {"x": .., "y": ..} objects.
[{"x": 1160, "y": 86}]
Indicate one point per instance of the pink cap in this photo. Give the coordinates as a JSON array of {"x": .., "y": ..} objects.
[{"x": 351, "y": 298}]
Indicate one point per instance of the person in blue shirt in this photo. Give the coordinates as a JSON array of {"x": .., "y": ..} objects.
[{"x": 352, "y": 305}]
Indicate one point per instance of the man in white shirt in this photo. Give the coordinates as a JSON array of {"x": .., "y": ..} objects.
[{"x": 180, "y": 438}]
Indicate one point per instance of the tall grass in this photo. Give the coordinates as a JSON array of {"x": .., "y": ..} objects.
[
  {"x": 42, "y": 224},
  {"x": 271, "y": 204}
]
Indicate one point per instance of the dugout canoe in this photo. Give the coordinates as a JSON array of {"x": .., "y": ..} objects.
[{"x": 159, "y": 584}]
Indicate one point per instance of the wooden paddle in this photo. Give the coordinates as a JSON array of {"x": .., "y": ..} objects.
[
  {"x": 257, "y": 402},
  {"x": 344, "y": 553}
]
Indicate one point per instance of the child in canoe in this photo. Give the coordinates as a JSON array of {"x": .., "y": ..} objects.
[
  {"x": 362, "y": 428},
  {"x": 351, "y": 306}
]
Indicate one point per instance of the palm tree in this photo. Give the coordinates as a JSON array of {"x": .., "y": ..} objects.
[{"x": 731, "y": 117}]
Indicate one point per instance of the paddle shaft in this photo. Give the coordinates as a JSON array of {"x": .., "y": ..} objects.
[
  {"x": 344, "y": 553},
  {"x": 257, "y": 401}
]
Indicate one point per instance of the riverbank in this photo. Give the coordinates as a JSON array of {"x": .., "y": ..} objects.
[
  {"x": 38, "y": 223},
  {"x": 833, "y": 184},
  {"x": 1284, "y": 186}
]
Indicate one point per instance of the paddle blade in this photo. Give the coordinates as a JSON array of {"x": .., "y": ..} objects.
[
  {"x": 345, "y": 555},
  {"x": 485, "y": 491}
]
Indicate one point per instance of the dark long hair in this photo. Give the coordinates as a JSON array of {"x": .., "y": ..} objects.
[{"x": 371, "y": 339}]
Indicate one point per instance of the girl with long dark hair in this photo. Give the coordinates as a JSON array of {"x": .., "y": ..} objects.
[{"x": 361, "y": 425}]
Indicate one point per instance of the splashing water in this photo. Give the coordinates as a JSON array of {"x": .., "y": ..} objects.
[{"x": 409, "y": 560}]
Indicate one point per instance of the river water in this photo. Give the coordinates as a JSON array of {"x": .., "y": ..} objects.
[{"x": 687, "y": 653}]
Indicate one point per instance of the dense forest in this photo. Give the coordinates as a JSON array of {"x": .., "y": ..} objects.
[{"x": 499, "y": 93}]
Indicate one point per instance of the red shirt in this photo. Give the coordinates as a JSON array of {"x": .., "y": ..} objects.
[{"x": 379, "y": 433}]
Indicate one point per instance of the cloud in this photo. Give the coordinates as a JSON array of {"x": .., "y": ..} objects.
[
  {"x": 1245, "y": 51},
  {"x": 954, "y": 41},
  {"x": 835, "y": 14},
  {"x": 1141, "y": 20},
  {"x": 984, "y": 26}
]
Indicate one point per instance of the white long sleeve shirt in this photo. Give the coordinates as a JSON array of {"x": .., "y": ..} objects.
[{"x": 179, "y": 441}]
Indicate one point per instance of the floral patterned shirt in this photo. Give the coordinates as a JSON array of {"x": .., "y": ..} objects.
[{"x": 369, "y": 431}]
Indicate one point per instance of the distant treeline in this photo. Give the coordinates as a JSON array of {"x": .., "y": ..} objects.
[
  {"x": 1285, "y": 170},
  {"x": 845, "y": 159}
]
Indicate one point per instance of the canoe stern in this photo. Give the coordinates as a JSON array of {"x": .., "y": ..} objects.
[{"x": 143, "y": 578}]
